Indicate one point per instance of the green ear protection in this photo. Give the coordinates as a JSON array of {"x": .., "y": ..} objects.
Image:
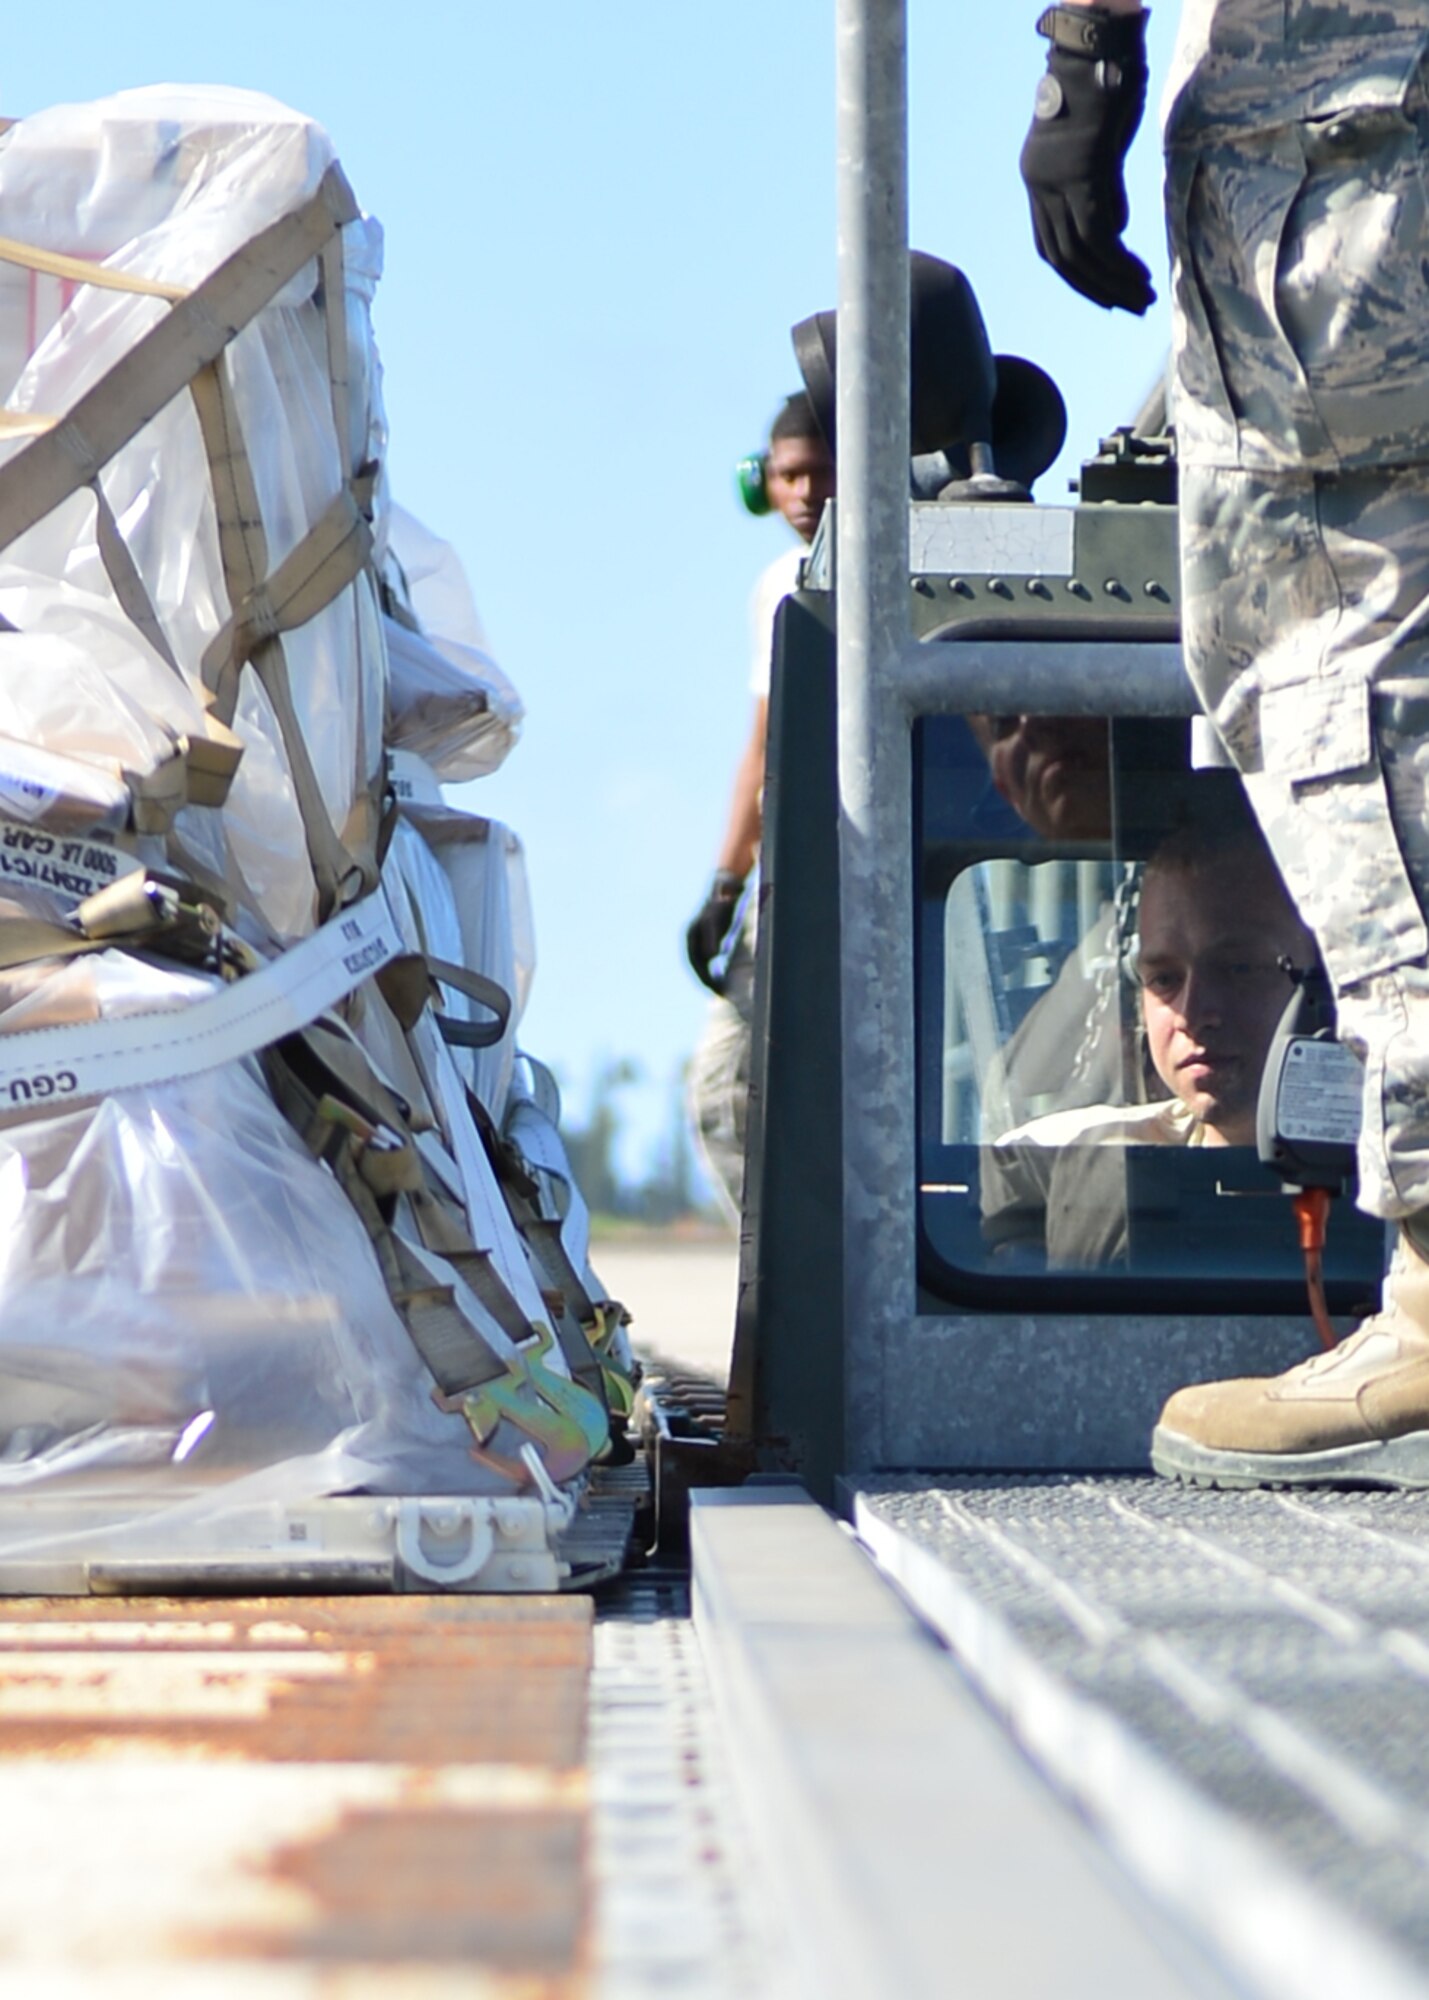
[{"x": 749, "y": 476}]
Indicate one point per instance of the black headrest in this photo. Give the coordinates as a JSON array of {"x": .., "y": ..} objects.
[{"x": 960, "y": 393}]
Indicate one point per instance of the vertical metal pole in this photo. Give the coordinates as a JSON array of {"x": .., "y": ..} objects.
[{"x": 875, "y": 812}]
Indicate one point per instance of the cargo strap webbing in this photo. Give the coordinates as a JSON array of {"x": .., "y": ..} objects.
[
  {"x": 179, "y": 353},
  {"x": 25, "y": 423},
  {"x": 441, "y": 1224},
  {"x": 565, "y": 1419},
  {"x": 53, "y": 264},
  {"x": 361, "y": 834},
  {"x": 486, "y": 992},
  {"x": 585, "y": 1326},
  {"x": 24, "y": 939},
  {"x": 327, "y": 1088},
  {"x": 327, "y": 1060},
  {"x": 330, "y": 1093},
  {"x": 443, "y": 1229},
  {"x": 330, "y": 557},
  {"x": 327, "y": 559},
  {"x": 333, "y": 552},
  {"x": 577, "y": 1317},
  {"x": 92, "y": 1058},
  {"x": 543, "y": 1233},
  {"x": 410, "y": 985},
  {"x": 457, "y": 1358},
  {"x": 161, "y": 365},
  {"x": 212, "y": 760},
  {"x": 139, "y": 911},
  {"x": 333, "y": 265},
  {"x": 129, "y": 586}
]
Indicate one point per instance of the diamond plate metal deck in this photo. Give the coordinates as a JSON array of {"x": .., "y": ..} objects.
[
  {"x": 1233, "y": 1686},
  {"x": 912, "y": 1850}
]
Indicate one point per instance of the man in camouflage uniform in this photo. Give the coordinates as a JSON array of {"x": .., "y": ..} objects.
[{"x": 1297, "y": 141}]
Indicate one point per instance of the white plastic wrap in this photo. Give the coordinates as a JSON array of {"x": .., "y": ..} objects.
[
  {"x": 192, "y": 1310},
  {"x": 468, "y": 878},
  {"x": 166, "y": 184},
  {"x": 183, "y": 1289},
  {"x": 451, "y": 703}
]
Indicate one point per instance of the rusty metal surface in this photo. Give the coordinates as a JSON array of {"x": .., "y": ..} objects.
[{"x": 295, "y": 1796}]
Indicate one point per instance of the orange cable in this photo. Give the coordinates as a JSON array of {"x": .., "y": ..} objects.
[{"x": 1312, "y": 1212}]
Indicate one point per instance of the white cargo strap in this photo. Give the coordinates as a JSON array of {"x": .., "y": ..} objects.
[
  {"x": 412, "y": 780},
  {"x": 53, "y": 1066}
]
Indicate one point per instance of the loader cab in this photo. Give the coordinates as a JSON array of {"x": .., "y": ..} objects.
[
  {"x": 1069, "y": 1147},
  {"x": 1080, "y": 1250}
]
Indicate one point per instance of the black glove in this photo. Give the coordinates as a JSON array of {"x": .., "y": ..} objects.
[
  {"x": 1089, "y": 105},
  {"x": 706, "y": 935}
]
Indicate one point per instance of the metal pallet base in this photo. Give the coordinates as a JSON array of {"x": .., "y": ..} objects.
[
  {"x": 596, "y": 1545},
  {"x": 1233, "y": 1687},
  {"x": 106, "y": 1545}
]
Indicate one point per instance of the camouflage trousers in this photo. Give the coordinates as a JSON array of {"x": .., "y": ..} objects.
[
  {"x": 1306, "y": 625},
  {"x": 1298, "y": 208},
  {"x": 718, "y": 1086}
]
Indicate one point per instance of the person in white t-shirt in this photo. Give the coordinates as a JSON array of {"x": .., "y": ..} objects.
[{"x": 798, "y": 478}]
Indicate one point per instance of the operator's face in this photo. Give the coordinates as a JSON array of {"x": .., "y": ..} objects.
[
  {"x": 1211, "y": 990},
  {"x": 1052, "y": 770},
  {"x": 799, "y": 478}
]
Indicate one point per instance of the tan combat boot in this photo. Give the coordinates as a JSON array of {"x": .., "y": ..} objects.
[{"x": 1359, "y": 1414}]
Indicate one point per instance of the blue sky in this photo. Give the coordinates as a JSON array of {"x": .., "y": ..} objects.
[{"x": 601, "y": 223}]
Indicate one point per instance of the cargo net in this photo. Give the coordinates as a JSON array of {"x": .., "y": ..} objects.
[{"x": 283, "y": 1214}]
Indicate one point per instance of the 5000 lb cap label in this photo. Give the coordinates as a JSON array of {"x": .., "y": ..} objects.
[
  {"x": 1321, "y": 1092},
  {"x": 69, "y": 868}
]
